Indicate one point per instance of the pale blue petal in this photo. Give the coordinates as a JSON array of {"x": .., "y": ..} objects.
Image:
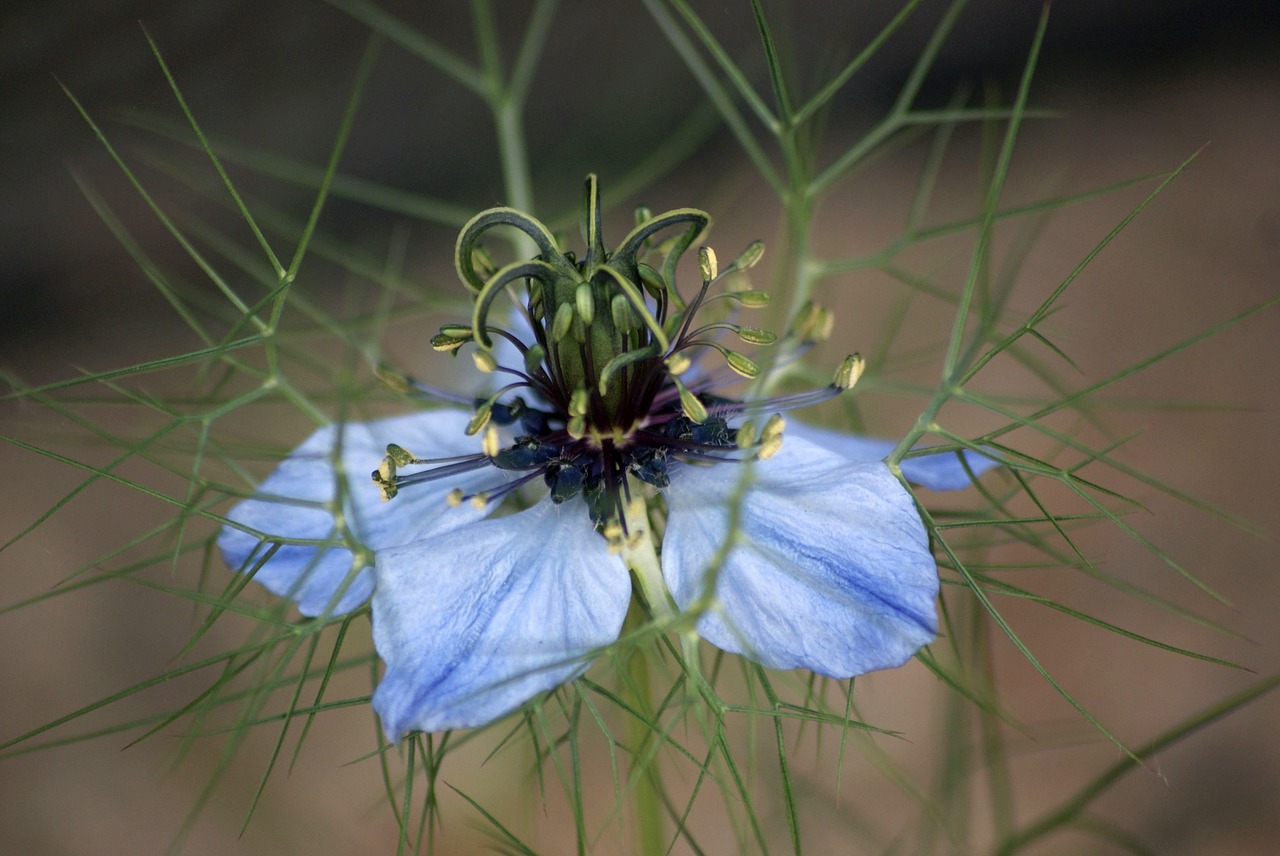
[
  {"x": 313, "y": 575},
  {"x": 475, "y": 622},
  {"x": 830, "y": 569},
  {"x": 941, "y": 471}
]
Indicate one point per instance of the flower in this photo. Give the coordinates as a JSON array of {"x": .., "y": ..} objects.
[{"x": 817, "y": 559}]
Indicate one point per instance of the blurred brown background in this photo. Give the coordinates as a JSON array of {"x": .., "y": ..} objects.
[{"x": 1143, "y": 86}]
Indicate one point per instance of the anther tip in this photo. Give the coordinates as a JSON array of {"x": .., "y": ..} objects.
[{"x": 849, "y": 372}]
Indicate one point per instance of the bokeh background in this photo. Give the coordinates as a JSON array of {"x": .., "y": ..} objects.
[{"x": 1141, "y": 86}]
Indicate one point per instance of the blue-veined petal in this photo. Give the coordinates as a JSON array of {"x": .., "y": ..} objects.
[
  {"x": 830, "y": 568},
  {"x": 475, "y": 622},
  {"x": 941, "y": 471},
  {"x": 313, "y": 575}
]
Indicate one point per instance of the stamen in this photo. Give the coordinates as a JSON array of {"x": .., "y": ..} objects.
[
  {"x": 750, "y": 299},
  {"x": 445, "y": 343},
  {"x": 689, "y": 403},
  {"x": 707, "y": 263},
  {"x": 755, "y": 335},
  {"x": 611, "y": 338},
  {"x": 472, "y": 462},
  {"x": 784, "y": 402},
  {"x": 484, "y": 410},
  {"x": 771, "y": 437},
  {"x": 740, "y": 364},
  {"x": 678, "y": 363},
  {"x": 845, "y": 377},
  {"x": 748, "y": 258},
  {"x": 750, "y": 335},
  {"x": 849, "y": 372},
  {"x": 813, "y": 324},
  {"x": 406, "y": 385},
  {"x": 490, "y": 442},
  {"x": 483, "y": 413}
]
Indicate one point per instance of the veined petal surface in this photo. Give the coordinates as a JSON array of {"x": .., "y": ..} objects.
[
  {"x": 829, "y": 570},
  {"x": 939, "y": 471},
  {"x": 288, "y": 505},
  {"x": 474, "y": 622}
]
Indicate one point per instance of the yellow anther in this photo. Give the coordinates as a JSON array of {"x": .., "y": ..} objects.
[
  {"x": 400, "y": 456},
  {"x": 773, "y": 428},
  {"x": 769, "y": 448},
  {"x": 385, "y": 478},
  {"x": 707, "y": 263},
  {"x": 678, "y": 363},
  {"x": 849, "y": 372},
  {"x": 454, "y": 497},
  {"x": 614, "y": 536},
  {"x": 479, "y": 501},
  {"x": 484, "y": 361},
  {"x": 490, "y": 445}
]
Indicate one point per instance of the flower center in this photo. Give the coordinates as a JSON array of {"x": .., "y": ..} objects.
[{"x": 603, "y": 359}]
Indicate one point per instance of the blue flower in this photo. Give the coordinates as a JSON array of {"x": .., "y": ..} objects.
[{"x": 828, "y": 566}]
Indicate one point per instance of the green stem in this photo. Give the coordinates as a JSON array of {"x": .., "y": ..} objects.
[
  {"x": 640, "y": 553},
  {"x": 646, "y": 804},
  {"x": 506, "y": 102},
  {"x": 795, "y": 269},
  {"x": 517, "y": 178}
]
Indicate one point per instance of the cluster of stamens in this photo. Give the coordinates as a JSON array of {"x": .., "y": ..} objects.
[{"x": 607, "y": 385}]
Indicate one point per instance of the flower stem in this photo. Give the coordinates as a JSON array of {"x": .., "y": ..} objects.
[
  {"x": 641, "y": 555},
  {"x": 646, "y": 805}
]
